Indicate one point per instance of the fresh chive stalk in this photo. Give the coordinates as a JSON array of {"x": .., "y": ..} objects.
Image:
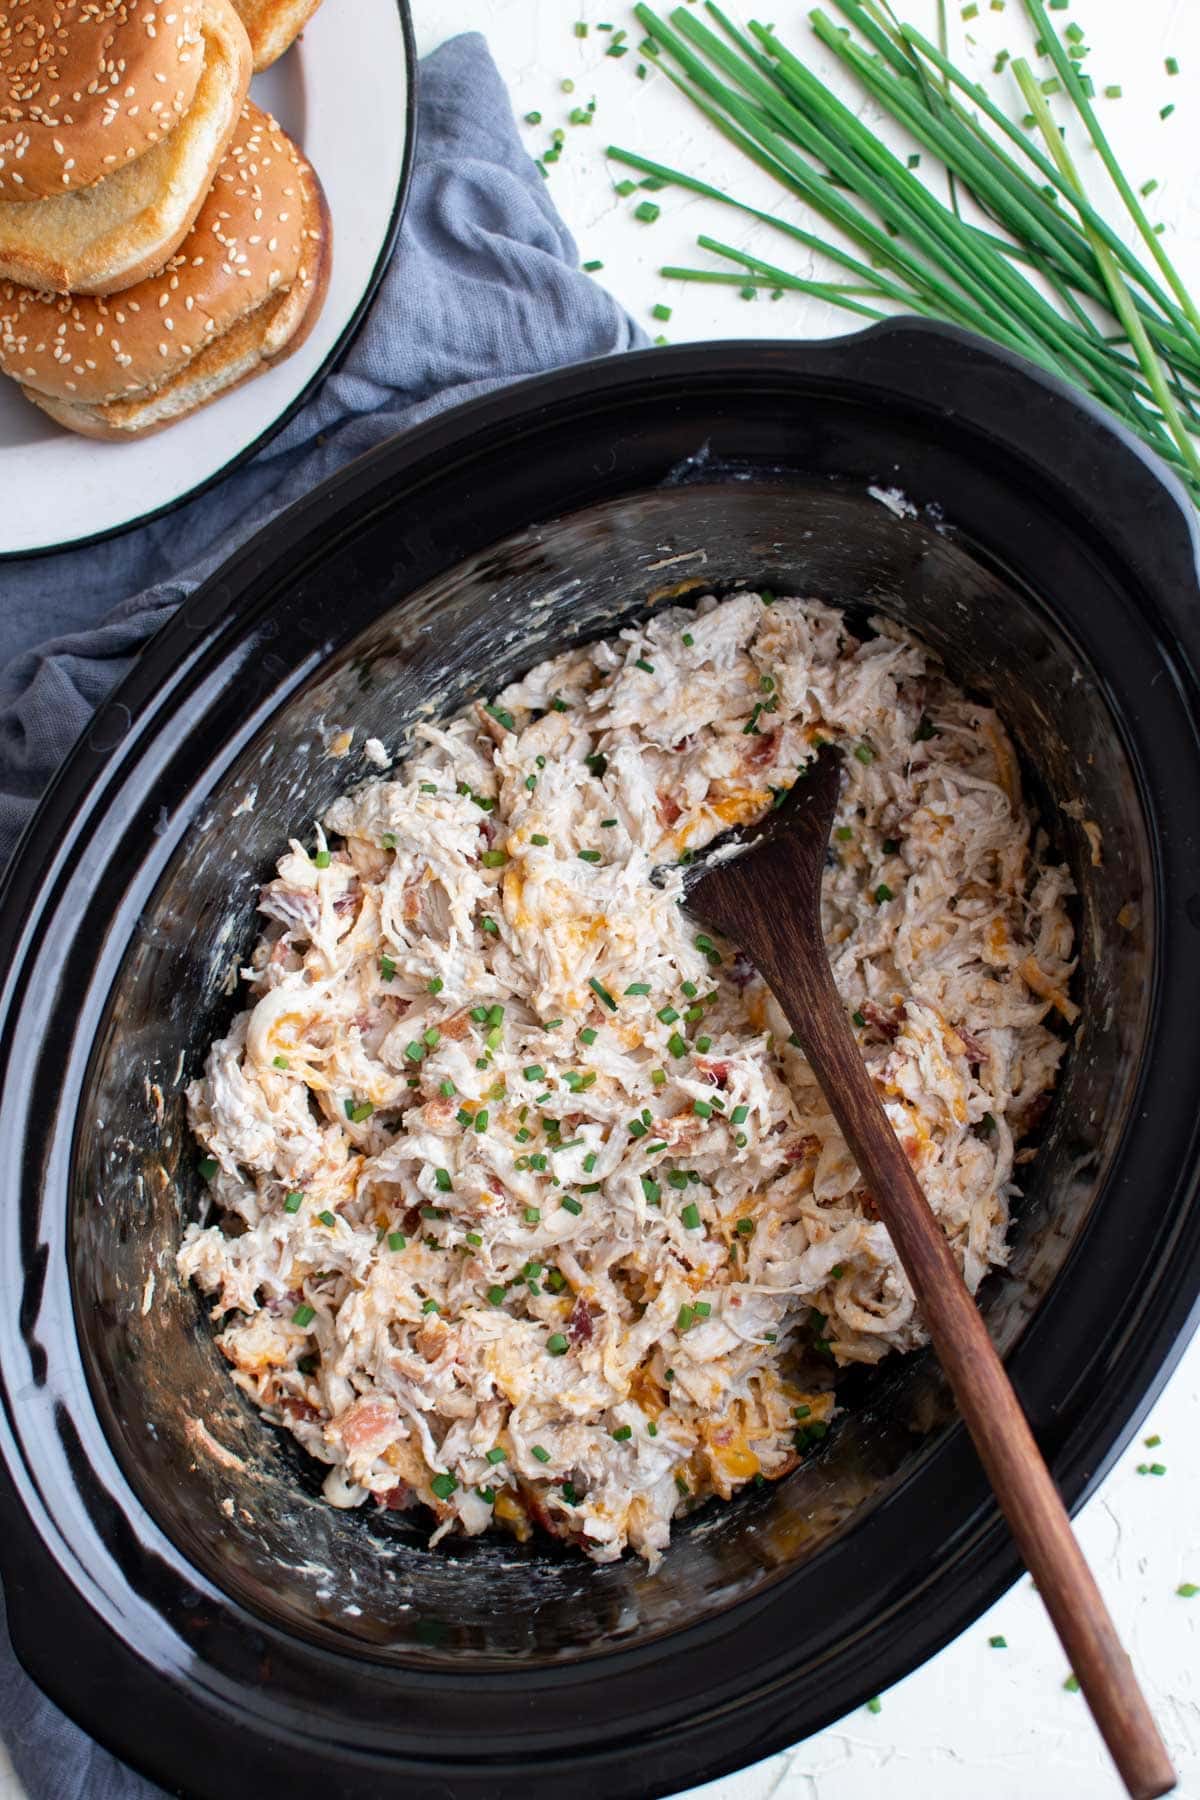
[{"x": 1041, "y": 277}]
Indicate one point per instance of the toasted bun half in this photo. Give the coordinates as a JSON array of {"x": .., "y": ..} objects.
[
  {"x": 86, "y": 85},
  {"x": 273, "y": 25},
  {"x": 243, "y": 291},
  {"x": 99, "y": 239}
]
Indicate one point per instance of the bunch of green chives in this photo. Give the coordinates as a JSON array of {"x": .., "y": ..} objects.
[{"x": 1048, "y": 277}]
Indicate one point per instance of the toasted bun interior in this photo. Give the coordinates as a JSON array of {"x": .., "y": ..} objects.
[
  {"x": 243, "y": 292},
  {"x": 99, "y": 239},
  {"x": 273, "y": 25},
  {"x": 87, "y": 85}
]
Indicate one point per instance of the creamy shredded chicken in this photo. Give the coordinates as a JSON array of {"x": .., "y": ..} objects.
[{"x": 530, "y": 1211}]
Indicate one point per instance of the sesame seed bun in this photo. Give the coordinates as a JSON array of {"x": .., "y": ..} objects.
[
  {"x": 86, "y": 85},
  {"x": 273, "y": 25},
  {"x": 242, "y": 292},
  {"x": 99, "y": 239}
]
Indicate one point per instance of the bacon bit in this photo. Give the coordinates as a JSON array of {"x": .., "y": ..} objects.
[
  {"x": 715, "y": 1073},
  {"x": 368, "y": 1426},
  {"x": 975, "y": 1051},
  {"x": 397, "y": 1499},
  {"x": 887, "y": 1024},
  {"x": 297, "y": 1409},
  {"x": 804, "y": 1148},
  {"x": 541, "y": 1515},
  {"x": 580, "y": 1326},
  {"x": 762, "y": 751},
  {"x": 685, "y": 743},
  {"x": 668, "y": 810}
]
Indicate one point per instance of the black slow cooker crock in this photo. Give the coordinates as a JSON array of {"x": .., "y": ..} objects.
[{"x": 173, "y": 1578}]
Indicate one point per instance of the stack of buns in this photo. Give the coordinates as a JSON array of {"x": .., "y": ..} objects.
[{"x": 161, "y": 238}]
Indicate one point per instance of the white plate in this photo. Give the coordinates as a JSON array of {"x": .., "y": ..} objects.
[{"x": 345, "y": 93}]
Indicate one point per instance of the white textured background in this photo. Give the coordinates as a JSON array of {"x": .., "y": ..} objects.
[{"x": 975, "y": 1723}]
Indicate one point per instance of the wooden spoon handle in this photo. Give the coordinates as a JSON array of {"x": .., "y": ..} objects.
[{"x": 1022, "y": 1483}]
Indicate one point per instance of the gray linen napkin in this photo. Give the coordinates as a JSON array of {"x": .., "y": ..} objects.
[{"x": 484, "y": 288}]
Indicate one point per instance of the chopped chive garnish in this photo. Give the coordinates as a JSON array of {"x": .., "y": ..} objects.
[
  {"x": 481, "y": 1120},
  {"x": 326, "y": 1217},
  {"x": 651, "y": 1190},
  {"x": 322, "y": 859},
  {"x": 1187, "y": 1590},
  {"x": 443, "y": 1486},
  {"x": 304, "y": 1314},
  {"x": 589, "y": 1034},
  {"x": 638, "y": 987},
  {"x": 745, "y": 1228},
  {"x": 489, "y": 925},
  {"x": 998, "y": 1643},
  {"x": 533, "y": 118},
  {"x": 430, "y": 1306},
  {"x": 534, "y": 1072},
  {"x": 875, "y": 1704},
  {"x": 702, "y": 1109},
  {"x": 494, "y": 859},
  {"x": 667, "y": 1014},
  {"x": 1172, "y": 65},
  {"x": 622, "y": 1434},
  {"x": 690, "y": 1216},
  {"x": 495, "y": 1295},
  {"x": 601, "y": 992},
  {"x": 293, "y": 1203},
  {"x": 543, "y": 1456},
  {"x": 208, "y": 1167},
  {"x": 647, "y": 211},
  {"x": 532, "y": 1215},
  {"x": 442, "y": 1181},
  {"x": 570, "y": 1204},
  {"x": 557, "y": 1345},
  {"x": 281, "y": 1062},
  {"x": 739, "y": 1115},
  {"x": 882, "y": 893},
  {"x": 1071, "y": 1684},
  {"x": 646, "y": 667},
  {"x": 685, "y": 1318}
]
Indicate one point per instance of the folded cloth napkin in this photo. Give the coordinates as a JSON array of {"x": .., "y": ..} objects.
[{"x": 484, "y": 288}]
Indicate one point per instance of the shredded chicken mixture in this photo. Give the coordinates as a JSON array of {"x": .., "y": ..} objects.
[{"x": 530, "y": 1211}]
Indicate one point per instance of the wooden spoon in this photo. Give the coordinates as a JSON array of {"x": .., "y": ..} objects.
[{"x": 767, "y": 899}]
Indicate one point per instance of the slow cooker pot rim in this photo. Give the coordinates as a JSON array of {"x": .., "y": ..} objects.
[{"x": 993, "y": 1561}]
